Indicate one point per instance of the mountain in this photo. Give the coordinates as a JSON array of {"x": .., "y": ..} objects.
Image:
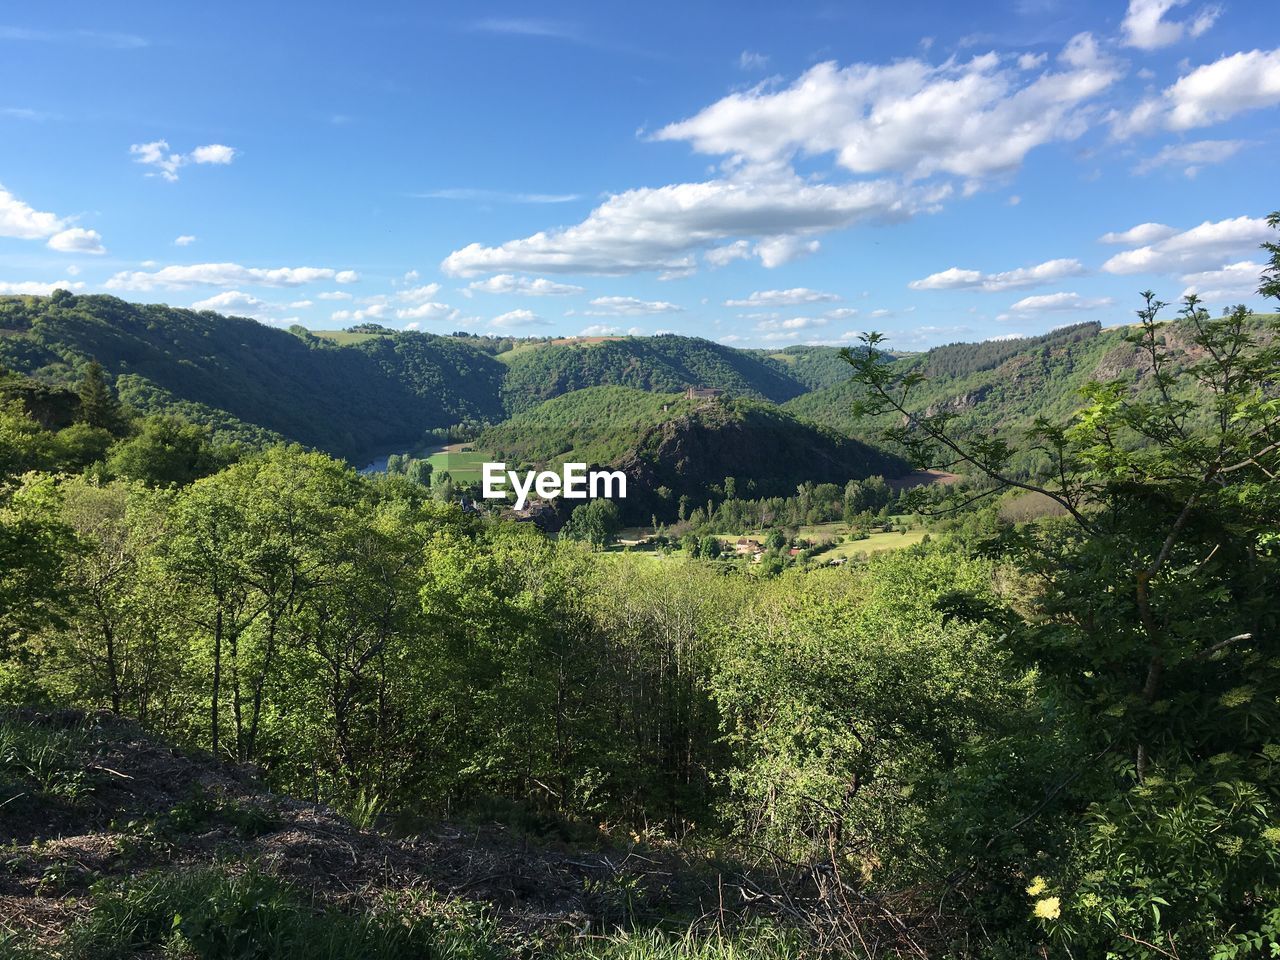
[
  {"x": 664, "y": 363},
  {"x": 1003, "y": 385},
  {"x": 671, "y": 446},
  {"x": 251, "y": 381},
  {"x": 812, "y": 367}
]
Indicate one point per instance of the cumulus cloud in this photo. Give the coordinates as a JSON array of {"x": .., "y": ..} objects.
[
  {"x": 166, "y": 163},
  {"x": 971, "y": 119},
  {"x": 507, "y": 283},
  {"x": 518, "y": 318},
  {"x": 223, "y": 275},
  {"x": 429, "y": 310},
  {"x": 725, "y": 255},
  {"x": 20, "y": 220},
  {"x": 601, "y": 330},
  {"x": 34, "y": 288},
  {"x": 1146, "y": 28},
  {"x": 1209, "y": 94},
  {"x": 1205, "y": 247},
  {"x": 750, "y": 60},
  {"x": 629, "y": 307},
  {"x": 657, "y": 228},
  {"x": 185, "y": 240},
  {"x": 77, "y": 240},
  {"x": 333, "y": 295},
  {"x": 955, "y": 278},
  {"x": 1053, "y": 302},
  {"x": 792, "y": 323},
  {"x": 420, "y": 294},
  {"x": 1192, "y": 156},
  {"x": 377, "y": 310},
  {"x": 775, "y": 251},
  {"x": 1142, "y": 233},
  {"x": 783, "y": 298},
  {"x": 236, "y": 302},
  {"x": 1233, "y": 280}
]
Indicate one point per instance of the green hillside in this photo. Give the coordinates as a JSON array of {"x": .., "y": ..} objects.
[
  {"x": 662, "y": 364},
  {"x": 252, "y": 381},
  {"x": 595, "y": 425},
  {"x": 814, "y": 367}
]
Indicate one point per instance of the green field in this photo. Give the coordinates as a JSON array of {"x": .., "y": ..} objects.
[
  {"x": 465, "y": 466},
  {"x": 346, "y": 338}
]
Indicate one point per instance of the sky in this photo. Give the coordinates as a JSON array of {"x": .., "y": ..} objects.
[{"x": 760, "y": 174}]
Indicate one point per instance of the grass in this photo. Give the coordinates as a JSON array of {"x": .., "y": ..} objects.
[
  {"x": 464, "y": 467},
  {"x": 762, "y": 943},
  {"x": 874, "y": 544},
  {"x": 214, "y": 914},
  {"x": 34, "y": 758}
]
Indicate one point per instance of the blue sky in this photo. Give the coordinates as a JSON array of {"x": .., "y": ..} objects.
[{"x": 759, "y": 174}]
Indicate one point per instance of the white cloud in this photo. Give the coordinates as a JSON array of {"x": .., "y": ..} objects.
[
  {"x": 166, "y": 163},
  {"x": 657, "y": 228},
  {"x": 1201, "y": 248},
  {"x": 333, "y": 295},
  {"x": 24, "y": 222},
  {"x": 792, "y": 323},
  {"x": 723, "y": 256},
  {"x": 1029, "y": 61},
  {"x": 1231, "y": 281},
  {"x": 346, "y": 276},
  {"x": 600, "y": 330},
  {"x": 374, "y": 311},
  {"x": 750, "y": 60},
  {"x": 957, "y": 279},
  {"x": 1192, "y": 156},
  {"x": 77, "y": 240},
  {"x": 34, "y": 288},
  {"x": 783, "y": 298},
  {"x": 216, "y": 153},
  {"x": 236, "y": 302},
  {"x": 842, "y": 313},
  {"x": 508, "y": 283},
  {"x": 301, "y": 304},
  {"x": 428, "y": 311},
  {"x": 73, "y": 271},
  {"x": 1209, "y": 94},
  {"x": 185, "y": 240},
  {"x": 775, "y": 251},
  {"x": 1216, "y": 91},
  {"x": 971, "y": 119},
  {"x": 422, "y": 294},
  {"x": 1145, "y": 25},
  {"x": 519, "y": 318},
  {"x": 1050, "y": 302},
  {"x": 629, "y": 307},
  {"x": 1142, "y": 233},
  {"x": 220, "y": 275}
]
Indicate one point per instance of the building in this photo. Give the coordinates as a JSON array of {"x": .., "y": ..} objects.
[{"x": 702, "y": 393}]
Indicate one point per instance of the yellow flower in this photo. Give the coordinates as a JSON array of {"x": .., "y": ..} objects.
[
  {"x": 1237, "y": 696},
  {"x": 1050, "y": 908},
  {"x": 1037, "y": 885},
  {"x": 1271, "y": 834}
]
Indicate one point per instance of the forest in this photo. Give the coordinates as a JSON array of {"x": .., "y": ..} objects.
[{"x": 1048, "y": 736}]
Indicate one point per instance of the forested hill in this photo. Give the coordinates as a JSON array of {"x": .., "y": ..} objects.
[
  {"x": 252, "y": 381},
  {"x": 665, "y": 364},
  {"x": 996, "y": 383}
]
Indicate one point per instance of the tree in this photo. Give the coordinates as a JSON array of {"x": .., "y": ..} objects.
[
  {"x": 710, "y": 547},
  {"x": 98, "y": 404},
  {"x": 596, "y": 522},
  {"x": 166, "y": 452},
  {"x": 1154, "y": 631}
]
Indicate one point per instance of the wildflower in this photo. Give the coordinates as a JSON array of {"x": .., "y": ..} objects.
[
  {"x": 1271, "y": 834},
  {"x": 1236, "y": 697},
  {"x": 1050, "y": 908},
  {"x": 1037, "y": 885},
  {"x": 1271, "y": 751}
]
